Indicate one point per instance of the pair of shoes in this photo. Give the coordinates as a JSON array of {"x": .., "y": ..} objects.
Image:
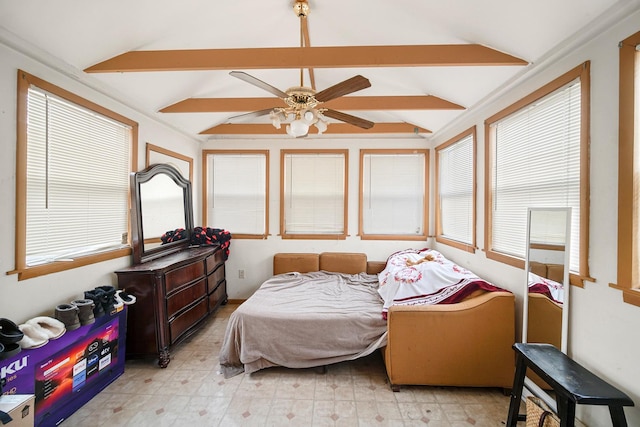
[
  {"x": 10, "y": 335},
  {"x": 124, "y": 297},
  {"x": 39, "y": 330},
  {"x": 68, "y": 314},
  {"x": 104, "y": 298}
]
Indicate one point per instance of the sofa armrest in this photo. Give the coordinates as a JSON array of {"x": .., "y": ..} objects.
[{"x": 463, "y": 344}]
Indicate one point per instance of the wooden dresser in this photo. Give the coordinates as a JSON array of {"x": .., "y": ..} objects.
[{"x": 175, "y": 294}]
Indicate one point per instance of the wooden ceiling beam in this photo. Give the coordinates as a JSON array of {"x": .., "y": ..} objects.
[
  {"x": 349, "y": 103},
  {"x": 333, "y": 128},
  {"x": 306, "y": 57}
]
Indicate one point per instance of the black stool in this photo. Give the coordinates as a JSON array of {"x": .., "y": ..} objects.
[{"x": 571, "y": 382}]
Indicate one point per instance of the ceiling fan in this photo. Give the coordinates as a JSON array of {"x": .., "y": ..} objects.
[
  {"x": 302, "y": 101},
  {"x": 301, "y": 105}
]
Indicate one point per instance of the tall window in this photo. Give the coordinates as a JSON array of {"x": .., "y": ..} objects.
[
  {"x": 537, "y": 155},
  {"x": 73, "y": 168},
  {"x": 236, "y": 189},
  {"x": 629, "y": 171},
  {"x": 393, "y": 194},
  {"x": 455, "y": 191},
  {"x": 313, "y": 191}
]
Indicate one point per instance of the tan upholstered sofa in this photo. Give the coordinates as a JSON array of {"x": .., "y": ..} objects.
[{"x": 463, "y": 344}]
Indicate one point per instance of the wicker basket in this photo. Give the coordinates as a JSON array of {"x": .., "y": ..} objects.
[{"x": 539, "y": 414}]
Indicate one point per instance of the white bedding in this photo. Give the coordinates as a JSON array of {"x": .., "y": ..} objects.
[{"x": 304, "y": 320}]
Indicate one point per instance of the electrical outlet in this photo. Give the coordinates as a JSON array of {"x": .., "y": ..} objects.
[{"x": 240, "y": 274}]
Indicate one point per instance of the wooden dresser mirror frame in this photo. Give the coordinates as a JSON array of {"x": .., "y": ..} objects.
[{"x": 147, "y": 246}]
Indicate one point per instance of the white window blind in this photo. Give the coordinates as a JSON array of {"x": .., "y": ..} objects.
[
  {"x": 536, "y": 163},
  {"x": 77, "y": 180},
  {"x": 393, "y": 193},
  {"x": 236, "y": 192},
  {"x": 455, "y": 190},
  {"x": 314, "y": 193}
]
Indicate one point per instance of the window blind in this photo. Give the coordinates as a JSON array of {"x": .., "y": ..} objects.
[
  {"x": 536, "y": 163},
  {"x": 77, "y": 180},
  {"x": 393, "y": 194},
  {"x": 314, "y": 197},
  {"x": 455, "y": 190},
  {"x": 237, "y": 192}
]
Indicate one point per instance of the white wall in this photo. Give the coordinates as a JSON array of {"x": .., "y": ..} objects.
[
  {"x": 21, "y": 300},
  {"x": 603, "y": 329}
]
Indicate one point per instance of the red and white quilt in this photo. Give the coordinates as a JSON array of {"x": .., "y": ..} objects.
[{"x": 425, "y": 276}]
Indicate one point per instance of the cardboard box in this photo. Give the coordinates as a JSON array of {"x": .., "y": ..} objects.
[
  {"x": 20, "y": 407},
  {"x": 67, "y": 372}
]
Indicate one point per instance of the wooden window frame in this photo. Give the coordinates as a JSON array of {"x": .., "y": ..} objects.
[
  {"x": 341, "y": 236},
  {"x": 150, "y": 149},
  {"x": 425, "y": 216},
  {"x": 628, "y": 186},
  {"x": 25, "y": 80},
  {"x": 205, "y": 215},
  {"x": 468, "y": 247},
  {"x": 582, "y": 72}
]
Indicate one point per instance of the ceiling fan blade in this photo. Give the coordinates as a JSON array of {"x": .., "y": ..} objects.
[
  {"x": 259, "y": 83},
  {"x": 247, "y": 116},
  {"x": 346, "y": 87},
  {"x": 348, "y": 118}
]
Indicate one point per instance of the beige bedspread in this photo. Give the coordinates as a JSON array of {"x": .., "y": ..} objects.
[{"x": 304, "y": 320}]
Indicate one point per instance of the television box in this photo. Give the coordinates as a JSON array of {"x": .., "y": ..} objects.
[{"x": 67, "y": 372}]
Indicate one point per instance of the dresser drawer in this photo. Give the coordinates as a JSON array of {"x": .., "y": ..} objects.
[
  {"x": 216, "y": 277},
  {"x": 183, "y": 275},
  {"x": 185, "y": 296},
  {"x": 214, "y": 260},
  {"x": 218, "y": 296},
  {"x": 186, "y": 320}
]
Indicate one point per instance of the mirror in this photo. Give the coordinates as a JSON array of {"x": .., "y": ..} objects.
[
  {"x": 161, "y": 201},
  {"x": 547, "y": 282},
  {"x": 546, "y": 296}
]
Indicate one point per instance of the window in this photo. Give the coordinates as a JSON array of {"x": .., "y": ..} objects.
[
  {"x": 71, "y": 209},
  {"x": 537, "y": 151},
  {"x": 313, "y": 188},
  {"x": 629, "y": 171},
  {"x": 393, "y": 194},
  {"x": 455, "y": 191},
  {"x": 236, "y": 192}
]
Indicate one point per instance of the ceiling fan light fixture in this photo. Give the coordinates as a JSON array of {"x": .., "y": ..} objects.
[
  {"x": 298, "y": 128},
  {"x": 321, "y": 125},
  {"x": 309, "y": 116},
  {"x": 277, "y": 117}
]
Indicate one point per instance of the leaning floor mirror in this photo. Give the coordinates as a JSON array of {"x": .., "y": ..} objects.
[{"x": 546, "y": 302}]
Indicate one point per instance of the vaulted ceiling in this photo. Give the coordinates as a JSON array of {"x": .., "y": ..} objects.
[{"x": 428, "y": 62}]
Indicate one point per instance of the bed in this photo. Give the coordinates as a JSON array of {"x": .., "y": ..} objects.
[
  {"x": 465, "y": 340},
  {"x": 317, "y": 309}
]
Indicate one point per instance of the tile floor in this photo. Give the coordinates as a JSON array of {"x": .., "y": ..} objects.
[{"x": 190, "y": 392}]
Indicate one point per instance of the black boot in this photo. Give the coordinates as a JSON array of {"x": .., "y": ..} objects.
[
  {"x": 109, "y": 303},
  {"x": 97, "y": 296}
]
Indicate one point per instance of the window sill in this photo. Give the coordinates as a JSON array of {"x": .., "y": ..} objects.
[
  {"x": 630, "y": 296},
  {"x": 56, "y": 267},
  {"x": 421, "y": 237},
  {"x": 459, "y": 245},
  {"x": 314, "y": 236}
]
